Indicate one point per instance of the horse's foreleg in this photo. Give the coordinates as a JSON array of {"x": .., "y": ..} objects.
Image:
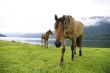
[
  {"x": 47, "y": 43},
  {"x": 62, "y": 54},
  {"x": 73, "y": 49}
]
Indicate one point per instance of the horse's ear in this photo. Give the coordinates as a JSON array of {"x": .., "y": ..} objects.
[
  {"x": 49, "y": 30},
  {"x": 63, "y": 17},
  {"x": 56, "y": 18}
]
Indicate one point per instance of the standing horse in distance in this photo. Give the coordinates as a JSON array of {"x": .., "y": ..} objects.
[
  {"x": 66, "y": 27},
  {"x": 45, "y": 37}
]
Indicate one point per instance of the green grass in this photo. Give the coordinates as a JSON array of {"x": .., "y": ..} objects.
[{"x": 28, "y": 58}]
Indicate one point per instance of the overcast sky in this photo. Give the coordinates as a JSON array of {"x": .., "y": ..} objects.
[{"x": 33, "y": 16}]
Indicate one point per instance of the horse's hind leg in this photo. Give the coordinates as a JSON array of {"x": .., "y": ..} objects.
[
  {"x": 80, "y": 46},
  {"x": 74, "y": 48},
  {"x": 80, "y": 51}
]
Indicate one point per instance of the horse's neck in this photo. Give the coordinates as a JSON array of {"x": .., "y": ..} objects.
[{"x": 47, "y": 34}]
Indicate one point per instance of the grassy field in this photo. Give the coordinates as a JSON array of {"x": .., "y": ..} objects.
[{"x": 28, "y": 58}]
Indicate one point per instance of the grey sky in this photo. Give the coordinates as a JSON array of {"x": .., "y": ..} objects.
[{"x": 38, "y": 15}]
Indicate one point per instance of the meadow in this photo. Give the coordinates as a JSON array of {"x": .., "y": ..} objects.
[{"x": 18, "y": 57}]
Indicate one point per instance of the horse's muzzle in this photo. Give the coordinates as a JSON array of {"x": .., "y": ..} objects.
[{"x": 58, "y": 44}]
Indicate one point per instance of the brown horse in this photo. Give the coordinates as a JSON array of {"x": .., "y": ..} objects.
[
  {"x": 45, "y": 37},
  {"x": 66, "y": 27}
]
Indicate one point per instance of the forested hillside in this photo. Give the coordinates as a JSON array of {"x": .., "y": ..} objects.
[{"x": 99, "y": 32}]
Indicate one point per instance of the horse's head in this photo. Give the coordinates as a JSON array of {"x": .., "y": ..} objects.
[
  {"x": 58, "y": 30},
  {"x": 50, "y": 32}
]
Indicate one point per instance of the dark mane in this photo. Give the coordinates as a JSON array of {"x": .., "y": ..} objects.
[
  {"x": 47, "y": 32},
  {"x": 65, "y": 22}
]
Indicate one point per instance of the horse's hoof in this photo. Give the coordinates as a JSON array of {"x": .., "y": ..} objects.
[
  {"x": 61, "y": 64},
  {"x": 80, "y": 54},
  {"x": 72, "y": 59}
]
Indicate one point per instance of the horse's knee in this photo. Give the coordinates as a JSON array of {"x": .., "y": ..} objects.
[
  {"x": 75, "y": 52},
  {"x": 63, "y": 50}
]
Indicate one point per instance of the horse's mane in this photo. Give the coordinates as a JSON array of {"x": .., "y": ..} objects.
[
  {"x": 47, "y": 31},
  {"x": 67, "y": 21}
]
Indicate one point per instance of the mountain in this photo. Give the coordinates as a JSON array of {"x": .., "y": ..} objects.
[
  {"x": 13, "y": 34},
  {"x": 1, "y": 35},
  {"x": 100, "y": 30},
  {"x": 31, "y": 35},
  {"x": 26, "y": 35},
  {"x": 34, "y": 35},
  {"x": 95, "y": 28},
  {"x": 92, "y": 21}
]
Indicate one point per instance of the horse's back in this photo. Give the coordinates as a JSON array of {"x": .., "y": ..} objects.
[
  {"x": 79, "y": 28},
  {"x": 43, "y": 36}
]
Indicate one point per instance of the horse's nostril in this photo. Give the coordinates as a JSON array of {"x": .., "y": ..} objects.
[{"x": 57, "y": 44}]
